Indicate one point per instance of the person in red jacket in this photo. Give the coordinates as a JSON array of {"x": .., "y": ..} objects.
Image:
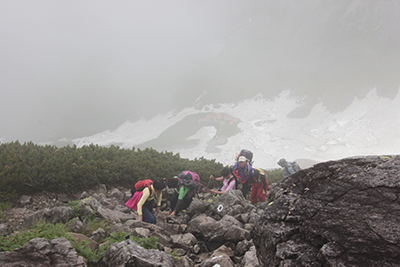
[{"x": 259, "y": 187}]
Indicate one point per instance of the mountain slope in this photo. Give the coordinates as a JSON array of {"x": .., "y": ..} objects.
[{"x": 368, "y": 126}]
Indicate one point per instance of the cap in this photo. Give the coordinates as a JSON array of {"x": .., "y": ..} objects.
[{"x": 242, "y": 159}]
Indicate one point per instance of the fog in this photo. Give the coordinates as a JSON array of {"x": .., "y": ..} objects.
[{"x": 76, "y": 68}]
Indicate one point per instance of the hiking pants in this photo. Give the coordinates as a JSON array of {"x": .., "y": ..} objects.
[
  {"x": 245, "y": 188},
  {"x": 257, "y": 194},
  {"x": 174, "y": 200},
  {"x": 147, "y": 211}
]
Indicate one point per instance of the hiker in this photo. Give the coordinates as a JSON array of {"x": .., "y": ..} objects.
[
  {"x": 288, "y": 167},
  {"x": 244, "y": 172},
  {"x": 228, "y": 180},
  {"x": 184, "y": 190},
  {"x": 146, "y": 202},
  {"x": 260, "y": 186}
]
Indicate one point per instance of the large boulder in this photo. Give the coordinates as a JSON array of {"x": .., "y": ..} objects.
[
  {"x": 61, "y": 214},
  {"x": 42, "y": 253},
  {"x": 337, "y": 213},
  {"x": 220, "y": 257},
  {"x": 215, "y": 233},
  {"x": 231, "y": 203},
  {"x": 90, "y": 206},
  {"x": 129, "y": 253}
]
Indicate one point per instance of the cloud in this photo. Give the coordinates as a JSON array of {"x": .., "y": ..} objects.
[{"x": 76, "y": 68}]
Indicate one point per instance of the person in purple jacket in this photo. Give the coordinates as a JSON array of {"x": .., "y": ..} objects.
[
  {"x": 244, "y": 173},
  {"x": 228, "y": 181}
]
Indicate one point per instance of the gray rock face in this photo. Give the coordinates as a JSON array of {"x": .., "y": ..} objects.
[
  {"x": 215, "y": 233},
  {"x": 54, "y": 215},
  {"x": 6, "y": 229},
  {"x": 43, "y": 253},
  {"x": 129, "y": 253},
  {"x": 220, "y": 257},
  {"x": 185, "y": 241},
  {"x": 338, "y": 213}
]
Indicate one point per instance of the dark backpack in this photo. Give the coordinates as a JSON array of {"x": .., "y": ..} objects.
[
  {"x": 246, "y": 153},
  {"x": 141, "y": 185}
]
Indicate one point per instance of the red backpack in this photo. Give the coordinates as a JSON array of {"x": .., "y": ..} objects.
[{"x": 141, "y": 185}]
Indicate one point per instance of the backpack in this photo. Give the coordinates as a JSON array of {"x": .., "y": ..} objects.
[
  {"x": 141, "y": 185},
  {"x": 246, "y": 153},
  {"x": 296, "y": 166},
  {"x": 190, "y": 180}
]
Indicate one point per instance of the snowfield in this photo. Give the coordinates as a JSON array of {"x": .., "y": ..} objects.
[{"x": 369, "y": 126}]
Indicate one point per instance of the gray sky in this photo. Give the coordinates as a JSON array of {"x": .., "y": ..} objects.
[{"x": 75, "y": 68}]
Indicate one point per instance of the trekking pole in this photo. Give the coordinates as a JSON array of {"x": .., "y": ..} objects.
[{"x": 209, "y": 180}]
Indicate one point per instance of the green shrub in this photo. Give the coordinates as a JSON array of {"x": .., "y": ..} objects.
[
  {"x": 275, "y": 176},
  {"x": 40, "y": 229},
  {"x": 28, "y": 168}
]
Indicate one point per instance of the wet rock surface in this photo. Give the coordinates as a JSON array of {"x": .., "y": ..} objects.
[{"x": 337, "y": 213}]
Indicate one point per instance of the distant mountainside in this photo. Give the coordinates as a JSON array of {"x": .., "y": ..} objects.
[{"x": 369, "y": 126}]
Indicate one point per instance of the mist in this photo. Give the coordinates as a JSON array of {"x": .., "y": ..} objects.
[{"x": 76, "y": 68}]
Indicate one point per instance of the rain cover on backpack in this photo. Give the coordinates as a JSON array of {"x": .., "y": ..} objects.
[
  {"x": 190, "y": 180},
  {"x": 142, "y": 184}
]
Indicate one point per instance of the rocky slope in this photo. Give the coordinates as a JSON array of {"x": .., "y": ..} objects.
[{"x": 338, "y": 213}]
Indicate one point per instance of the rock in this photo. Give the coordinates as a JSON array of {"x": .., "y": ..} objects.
[
  {"x": 61, "y": 214},
  {"x": 185, "y": 241},
  {"x": 88, "y": 206},
  {"x": 200, "y": 247},
  {"x": 242, "y": 247},
  {"x": 114, "y": 215},
  {"x": 25, "y": 200},
  {"x": 180, "y": 252},
  {"x": 91, "y": 206},
  {"x": 100, "y": 189},
  {"x": 141, "y": 232},
  {"x": 235, "y": 233},
  {"x": 78, "y": 227},
  {"x": 116, "y": 193},
  {"x": 42, "y": 253},
  {"x": 215, "y": 233},
  {"x": 84, "y": 195},
  {"x": 93, "y": 245},
  {"x": 196, "y": 207},
  {"x": 63, "y": 198},
  {"x": 220, "y": 257},
  {"x": 250, "y": 259},
  {"x": 231, "y": 221},
  {"x": 98, "y": 235},
  {"x": 184, "y": 261},
  {"x": 6, "y": 229},
  {"x": 129, "y": 253},
  {"x": 337, "y": 213},
  {"x": 16, "y": 217},
  {"x": 243, "y": 217},
  {"x": 197, "y": 225}
]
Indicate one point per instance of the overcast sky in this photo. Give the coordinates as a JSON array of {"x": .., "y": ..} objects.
[{"x": 75, "y": 68}]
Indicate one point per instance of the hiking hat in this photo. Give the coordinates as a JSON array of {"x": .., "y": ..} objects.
[
  {"x": 282, "y": 162},
  {"x": 242, "y": 159}
]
